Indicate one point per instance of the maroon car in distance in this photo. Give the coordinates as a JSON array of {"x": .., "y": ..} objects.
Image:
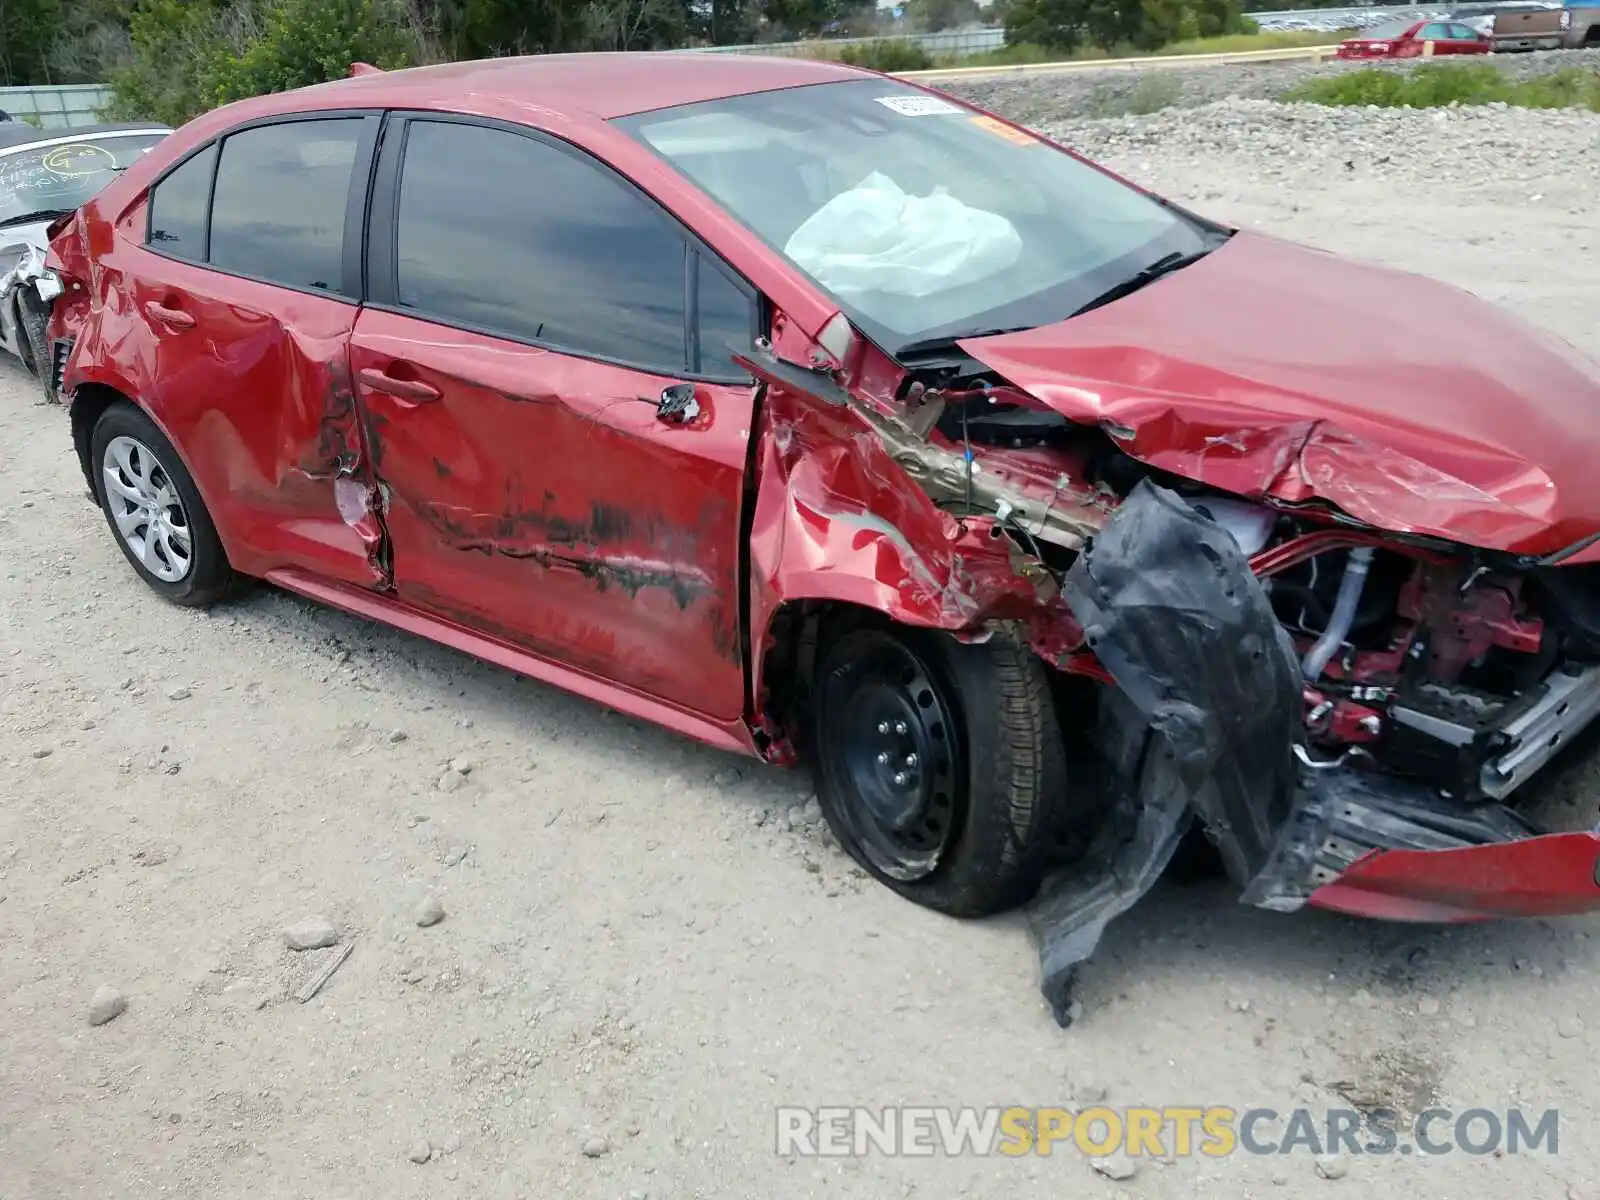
[
  {"x": 1408, "y": 39},
  {"x": 807, "y": 411}
]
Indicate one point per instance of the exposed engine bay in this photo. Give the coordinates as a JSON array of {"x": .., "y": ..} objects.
[{"x": 1429, "y": 661}]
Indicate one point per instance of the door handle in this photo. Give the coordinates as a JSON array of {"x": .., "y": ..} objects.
[
  {"x": 677, "y": 405},
  {"x": 172, "y": 318},
  {"x": 407, "y": 389}
]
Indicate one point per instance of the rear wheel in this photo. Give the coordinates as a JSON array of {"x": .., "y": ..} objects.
[
  {"x": 940, "y": 765},
  {"x": 154, "y": 510}
]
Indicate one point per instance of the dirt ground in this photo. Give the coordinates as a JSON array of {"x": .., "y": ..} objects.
[{"x": 643, "y": 951}]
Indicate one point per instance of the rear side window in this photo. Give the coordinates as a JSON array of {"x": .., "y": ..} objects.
[
  {"x": 278, "y": 210},
  {"x": 507, "y": 234},
  {"x": 178, "y": 208}
]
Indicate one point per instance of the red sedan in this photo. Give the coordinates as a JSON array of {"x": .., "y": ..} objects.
[
  {"x": 1407, "y": 39},
  {"x": 802, "y": 409}
]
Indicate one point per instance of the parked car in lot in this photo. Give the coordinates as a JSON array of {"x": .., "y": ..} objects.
[
  {"x": 807, "y": 411},
  {"x": 1574, "y": 27},
  {"x": 1481, "y": 16},
  {"x": 1408, "y": 39},
  {"x": 44, "y": 174}
]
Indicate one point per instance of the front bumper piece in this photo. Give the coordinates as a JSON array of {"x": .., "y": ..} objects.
[{"x": 1204, "y": 726}]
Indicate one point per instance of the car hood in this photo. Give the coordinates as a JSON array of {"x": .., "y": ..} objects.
[{"x": 1273, "y": 369}]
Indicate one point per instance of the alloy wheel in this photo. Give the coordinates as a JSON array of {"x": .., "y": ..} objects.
[{"x": 146, "y": 509}]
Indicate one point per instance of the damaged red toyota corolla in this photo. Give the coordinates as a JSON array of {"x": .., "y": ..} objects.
[{"x": 799, "y": 408}]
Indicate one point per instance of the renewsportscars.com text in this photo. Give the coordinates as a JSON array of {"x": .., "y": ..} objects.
[{"x": 1177, "y": 1131}]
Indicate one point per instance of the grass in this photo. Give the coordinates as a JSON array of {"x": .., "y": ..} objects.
[
  {"x": 1152, "y": 93},
  {"x": 907, "y": 55},
  {"x": 1436, "y": 85}
]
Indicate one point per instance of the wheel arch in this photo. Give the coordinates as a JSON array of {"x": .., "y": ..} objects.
[
  {"x": 784, "y": 664},
  {"x": 90, "y": 401}
]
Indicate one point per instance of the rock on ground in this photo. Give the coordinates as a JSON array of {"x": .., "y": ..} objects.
[
  {"x": 107, "y": 1004},
  {"x": 312, "y": 933}
]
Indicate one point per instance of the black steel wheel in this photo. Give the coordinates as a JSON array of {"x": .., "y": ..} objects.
[{"x": 940, "y": 765}]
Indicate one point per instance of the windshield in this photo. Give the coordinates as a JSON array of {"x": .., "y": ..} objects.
[
  {"x": 62, "y": 175},
  {"x": 919, "y": 218}
]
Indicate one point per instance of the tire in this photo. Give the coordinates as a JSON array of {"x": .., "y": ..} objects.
[
  {"x": 128, "y": 445},
  {"x": 33, "y": 321},
  {"x": 940, "y": 765}
]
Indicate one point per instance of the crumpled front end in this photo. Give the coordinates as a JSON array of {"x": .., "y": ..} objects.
[
  {"x": 1355, "y": 715},
  {"x": 1204, "y": 726},
  {"x": 28, "y": 288}
]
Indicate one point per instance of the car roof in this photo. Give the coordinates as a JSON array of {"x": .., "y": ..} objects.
[{"x": 600, "y": 85}]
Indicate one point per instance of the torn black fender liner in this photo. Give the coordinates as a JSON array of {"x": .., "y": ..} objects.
[{"x": 1203, "y": 720}]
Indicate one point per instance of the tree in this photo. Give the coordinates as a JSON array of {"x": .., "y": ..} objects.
[
  {"x": 27, "y": 28},
  {"x": 1050, "y": 24},
  {"x": 788, "y": 19},
  {"x": 930, "y": 16}
]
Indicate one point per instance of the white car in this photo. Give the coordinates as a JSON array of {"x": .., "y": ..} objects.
[{"x": 46, "y": 174}]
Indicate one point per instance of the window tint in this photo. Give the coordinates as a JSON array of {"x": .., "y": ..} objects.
[
  {"x": 279, "y": 207},
  {"x": 510, "y": 235},
  {"x": 178, "y": 208},
  {"x": 726, "y": 317}
]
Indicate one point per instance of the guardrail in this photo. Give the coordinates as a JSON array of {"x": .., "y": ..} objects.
[{"x": 1160, "y": 61}]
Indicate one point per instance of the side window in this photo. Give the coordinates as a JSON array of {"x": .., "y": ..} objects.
[
  {"x": 178, "y": 208},
  {"x": 1434, "y": 33},
  {"x": 727, "y": 317},
  {"x": 509, "y": 235},
  {"x": 279, "y": 206}
]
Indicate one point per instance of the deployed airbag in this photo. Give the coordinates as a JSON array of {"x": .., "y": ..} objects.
[{"x": 877, "y": 238}]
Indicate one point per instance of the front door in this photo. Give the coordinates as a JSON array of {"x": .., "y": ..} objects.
[{"x": 527, "y": 311}]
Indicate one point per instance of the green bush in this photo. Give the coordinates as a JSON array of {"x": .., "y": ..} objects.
[
  {"x": 192, "y": 55},
  {"x": 1436, "y": 85},
  {"x": 899, "y": 55}
]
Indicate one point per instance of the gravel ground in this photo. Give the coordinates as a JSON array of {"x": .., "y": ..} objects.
[
  {"x": 1050, "y": 97},
  {"x": 646, "y": 946}
]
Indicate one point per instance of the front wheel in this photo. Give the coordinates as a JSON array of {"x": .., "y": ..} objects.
[
  {"x": 33, "y": 318},
  {"x": 940, "y": 765}
]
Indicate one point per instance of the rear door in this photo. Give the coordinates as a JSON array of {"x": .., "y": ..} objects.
[
  {"x": 244, "y": 296},
  {"x": 528, "y": 308}
]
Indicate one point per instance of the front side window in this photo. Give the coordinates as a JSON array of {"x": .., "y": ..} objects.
[
  {"x": 920, "y": 218},
  {"x": 278, "y": 210},
  {"x": 511, "y": 235},
  {"x": 38, "y": 182}
]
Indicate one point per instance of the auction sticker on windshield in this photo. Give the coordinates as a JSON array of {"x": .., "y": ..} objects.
[{"x": 918, "y": 106}]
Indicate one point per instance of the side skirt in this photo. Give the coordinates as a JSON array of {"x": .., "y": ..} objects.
[{"x": 374, "y": 606}]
